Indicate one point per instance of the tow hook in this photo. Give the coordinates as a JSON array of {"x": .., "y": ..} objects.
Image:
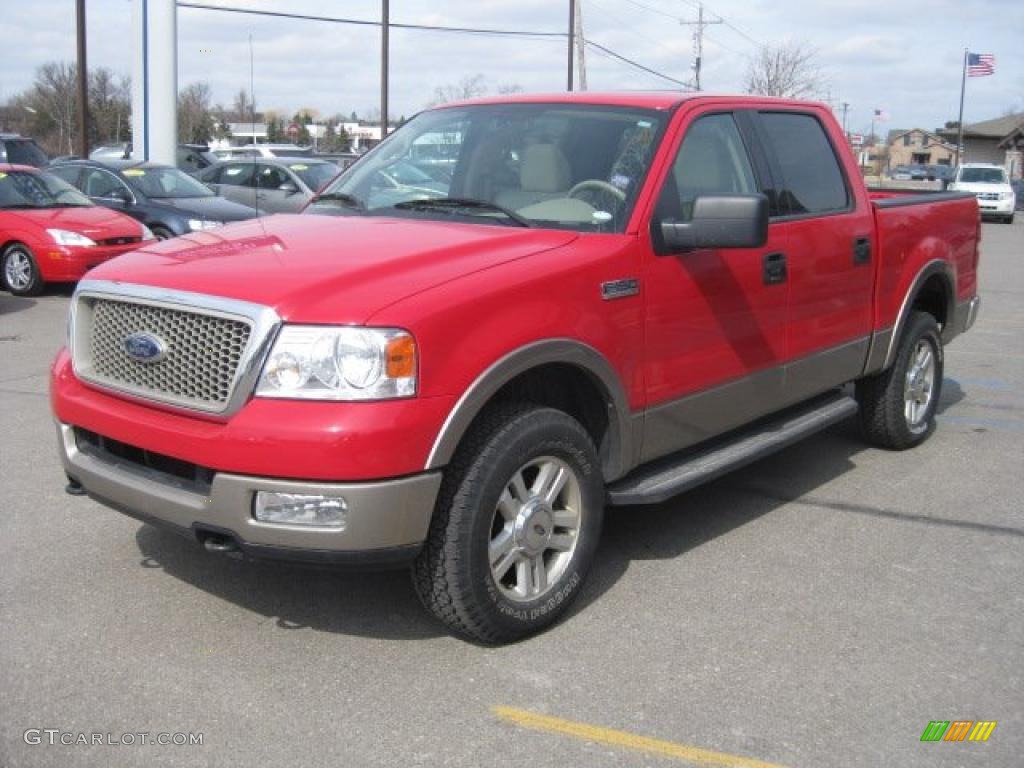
[{"x": 221, "y": 544}]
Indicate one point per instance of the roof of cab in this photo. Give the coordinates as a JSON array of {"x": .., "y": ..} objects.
[{"x": 660, "y": 100}]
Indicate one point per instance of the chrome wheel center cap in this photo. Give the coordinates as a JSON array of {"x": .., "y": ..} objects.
[{"x": 533, "y": 527}]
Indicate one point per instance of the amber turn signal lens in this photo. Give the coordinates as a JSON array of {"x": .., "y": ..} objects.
[{"x": 401, "y": 358}]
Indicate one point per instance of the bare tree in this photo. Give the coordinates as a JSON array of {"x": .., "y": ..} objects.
[
  {"x": 242, "y": 107},
  {"x": 53, "y": 100},
  {"x": 469, "y": 87},
  {"x": 788, "y": 70},
  {"x": 195, "y": 116},
  {"x": 109, "y": 105}
]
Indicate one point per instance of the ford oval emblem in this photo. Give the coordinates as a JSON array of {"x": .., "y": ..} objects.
[{"x": 145, "y": 347}]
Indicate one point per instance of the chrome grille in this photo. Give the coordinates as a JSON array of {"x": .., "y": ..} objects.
[
  {"x": 211, "y": 348},
  {"x": 203, "y": 352},
  {"x": 988, "y": 195}
]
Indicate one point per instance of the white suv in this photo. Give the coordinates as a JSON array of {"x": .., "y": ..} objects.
[{"x": 990, "y": 185}]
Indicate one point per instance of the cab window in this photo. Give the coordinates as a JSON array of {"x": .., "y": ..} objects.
[{"x": 712, "y": 160}]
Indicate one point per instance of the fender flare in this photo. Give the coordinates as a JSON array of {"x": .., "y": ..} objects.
[
  {"x": 619, "y": 456},
  {"x": 934, "y": 267}
]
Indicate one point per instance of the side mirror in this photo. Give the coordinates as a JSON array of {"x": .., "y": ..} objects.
[
  {"x": 734, "y": 221},
  {"x": 289, "y": 188}
]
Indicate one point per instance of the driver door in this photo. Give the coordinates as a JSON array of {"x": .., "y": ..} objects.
[{"x": 716, "y": 318}]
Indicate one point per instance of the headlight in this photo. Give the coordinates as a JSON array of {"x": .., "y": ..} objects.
[
  {"x": 340, "y": 363},
  {"x": 1005, "y": 195},
  {"x": 64, "y": 237},
  {"x": 147, "y": 233},
  {"x": 197, "y": 225}
]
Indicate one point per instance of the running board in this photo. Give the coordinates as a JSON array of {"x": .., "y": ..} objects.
[{"x": 675, "y": 474}]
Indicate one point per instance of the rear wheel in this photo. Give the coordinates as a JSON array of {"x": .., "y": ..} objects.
[
  {"x": 897, "y": 406},
  {"x": 162, "y": 233},
  {"x": 516, "y": 525},
  {"x": 20, "y": 271}
]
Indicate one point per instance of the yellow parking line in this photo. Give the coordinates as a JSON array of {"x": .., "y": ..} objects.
[{"x": 706, "y": 757}]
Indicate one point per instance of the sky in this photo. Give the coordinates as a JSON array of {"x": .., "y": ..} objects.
[{"x": 903, "y": 58}]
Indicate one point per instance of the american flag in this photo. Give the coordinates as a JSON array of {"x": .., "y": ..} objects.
[{"x": 980, "y": 64}]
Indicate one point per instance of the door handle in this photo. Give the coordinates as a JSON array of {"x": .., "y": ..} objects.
[
  {"x": 774, "y": 268},
  {"x": 862, "y": 250}
]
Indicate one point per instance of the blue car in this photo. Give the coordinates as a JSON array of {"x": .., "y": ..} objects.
[{"x": 165, "y": 199}]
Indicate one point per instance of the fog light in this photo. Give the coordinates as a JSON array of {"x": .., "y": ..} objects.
[{"x": 299, "y": 509}]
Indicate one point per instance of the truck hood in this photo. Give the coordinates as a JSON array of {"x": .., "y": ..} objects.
[
  {"x": 975, "y": 187},
  {"x": 320, "y": 269}
]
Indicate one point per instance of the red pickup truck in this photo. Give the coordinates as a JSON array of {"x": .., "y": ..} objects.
[{"x": 510, "y": 314}]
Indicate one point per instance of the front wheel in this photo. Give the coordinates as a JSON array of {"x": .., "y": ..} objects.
[
  {"x": 897, "y": 406},
  {"x": 516, "y": 525},
  {"x": 20, "y": 271}
]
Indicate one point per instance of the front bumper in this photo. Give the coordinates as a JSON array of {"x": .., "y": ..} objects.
[
  {"x": 386, "y": 524},
  {"x": 996, "y": 207}
]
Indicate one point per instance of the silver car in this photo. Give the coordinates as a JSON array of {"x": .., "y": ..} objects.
[{"x": 271, "y": 185}]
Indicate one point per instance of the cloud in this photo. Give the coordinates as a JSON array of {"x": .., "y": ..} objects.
[{"x": 870, "y": 59}]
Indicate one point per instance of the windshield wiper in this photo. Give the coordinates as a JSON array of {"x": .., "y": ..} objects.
[
  {"x": 13, "y": 206},
  {"x": 463, "y": 204},
  {"x": 341, "y": 197}
]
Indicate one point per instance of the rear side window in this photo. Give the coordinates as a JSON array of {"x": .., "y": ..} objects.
[
  {"x": 811, "y": 177},
  {"x": 25, "y": 152},
  {"x": 238, "y": 175},
  {"x": 271, "y": 177},
  {"x": 99, "y": 183}
]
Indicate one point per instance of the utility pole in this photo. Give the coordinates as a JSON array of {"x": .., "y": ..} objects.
[
  {"x": 83, "y": 83},
  {"x": 385, "y": 29},
  {"x": 572, "y": 37},
  {"x": 846, "y": 107},
  {"x": 698, "y": 41},
  {"x": 581, "y": 59}
]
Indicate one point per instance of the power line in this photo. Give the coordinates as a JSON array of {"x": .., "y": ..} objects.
[
  {"x": 726, "y": 22},
  {"x": 636, "y": 64},
  {"x": 630, "y": 27},
  {"x": 431, "y": 28},
  {"x": 369, "y": 23},
  {"x": 666, "y": 14}
]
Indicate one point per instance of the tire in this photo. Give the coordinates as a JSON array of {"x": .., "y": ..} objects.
[
  {"x": 1008, "y": 219},
  {"x": 897, "y": 406},
  {"x": 161, "y": 233},
  {"x": 500, "y": 597},
  {"x": 20, "y": 271}
]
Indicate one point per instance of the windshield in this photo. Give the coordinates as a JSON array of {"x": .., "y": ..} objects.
[
  {"x": 566, "y": 166},
  {"x": 165, "y": 182},
  {"x": 20, "y": 189},
  {"x": 314, "y": 175},
  {"x": 25, "y": 152},
  {"x": 983, "y": 175}
]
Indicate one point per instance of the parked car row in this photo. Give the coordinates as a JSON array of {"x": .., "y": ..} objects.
[
  {"x": 165, "y": 199},
  {"x": 936, "y": 172}
]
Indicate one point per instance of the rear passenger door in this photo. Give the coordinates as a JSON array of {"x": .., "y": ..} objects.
[{"x": 830, "y": 258}]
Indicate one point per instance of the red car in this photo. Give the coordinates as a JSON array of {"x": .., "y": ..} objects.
[{"x": 50, "y": 232}]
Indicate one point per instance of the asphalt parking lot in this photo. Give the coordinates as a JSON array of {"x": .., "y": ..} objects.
[{"x": 818, "y": 608}]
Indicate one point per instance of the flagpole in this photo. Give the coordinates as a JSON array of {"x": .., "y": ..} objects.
[{"x": 960, "y": 120}]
